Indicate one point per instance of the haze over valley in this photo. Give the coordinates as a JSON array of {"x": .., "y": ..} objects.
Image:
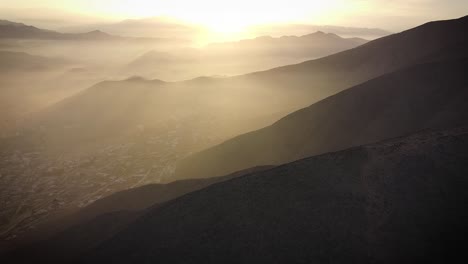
[{"x": 233, "y": 134}]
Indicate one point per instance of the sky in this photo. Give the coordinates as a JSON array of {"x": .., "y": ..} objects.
[{"x": 231, "y": 16}]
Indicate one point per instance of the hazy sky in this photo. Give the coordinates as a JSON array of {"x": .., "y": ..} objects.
[{"x": 234, "y": 15}]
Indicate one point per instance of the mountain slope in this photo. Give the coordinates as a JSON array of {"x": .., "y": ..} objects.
[
  {"x": 397, "y": 201},
  {"x": 131, "y": 200},
  {"x": 20, "y": 61},
  {"x": 143, "y": 197},
  {"x": 75, "y": 232},
  {"x": 424, "y": 96}
]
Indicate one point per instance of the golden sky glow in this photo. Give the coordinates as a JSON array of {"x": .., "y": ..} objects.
[
  {"x": 226, "y": 17},
  {"x": 222, "y": 16},
  {"x": 230, "y": 16}
]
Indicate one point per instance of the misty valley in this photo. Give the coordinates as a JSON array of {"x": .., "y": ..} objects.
[{"x": 148, "y": 140}]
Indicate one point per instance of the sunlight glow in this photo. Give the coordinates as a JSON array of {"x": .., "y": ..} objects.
[
  {"x": 232, "y": 16},
  {"x": 229, "y": 20},
  {"x": 229, "y": 17},
  {"x": 225, "y": 17}
]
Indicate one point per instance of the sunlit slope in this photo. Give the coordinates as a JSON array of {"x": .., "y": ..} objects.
[{"x": 424, "y": 96}]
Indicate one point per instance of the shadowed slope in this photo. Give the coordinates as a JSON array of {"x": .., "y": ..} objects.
[
  {"x": 81, "y": 230},
  {"x": 142, "y": 197},
  {"x": 398, "y": 201}
]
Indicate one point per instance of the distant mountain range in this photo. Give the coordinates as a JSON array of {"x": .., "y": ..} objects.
[
  {"x": 18, "y": 30},
  {"x": 301, "y": 29},
  {"x": 13, "y": 30},
  {"x": 157, "y": 27},
  {"x": 312, "y": 41},
  {"x": 171, "y": 28},
  {"x": 233, "y": 58}
]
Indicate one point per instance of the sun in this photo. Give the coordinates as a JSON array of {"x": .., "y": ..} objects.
[{"x": 226, "y": 27}]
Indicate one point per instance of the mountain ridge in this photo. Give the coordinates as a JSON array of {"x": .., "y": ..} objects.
[{"x": 379, "y": 102}]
